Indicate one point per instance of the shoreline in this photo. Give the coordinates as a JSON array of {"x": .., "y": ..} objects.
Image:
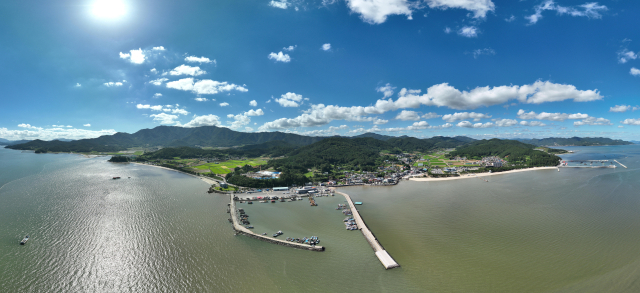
[
  {"x": 476, "y": 175},
  {"x": 207, "y": 180}
]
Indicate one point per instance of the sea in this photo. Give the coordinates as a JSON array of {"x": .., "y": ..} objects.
[{"x": 154, "y": 230}]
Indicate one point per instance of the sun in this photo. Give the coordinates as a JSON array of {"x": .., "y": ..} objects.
[{"x": 109, "y": 9}]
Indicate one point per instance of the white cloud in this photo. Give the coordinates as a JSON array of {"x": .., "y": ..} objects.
[
  {"x": 532, "y": 123},
  {"x": 154, "y": 71},
  {"x": 200, "y": 60},
  {"x": 161, "y": 48},
  {"x": 550, "y": 116},
  {"x": 224, "y": 104},
  {"x": 162, "y": 108},
  {"x": 620, "y": 108},
  {"x": 510, "y": 19},
  {"x": 248, "y": 129},
  {"x": 280, "y": 57},
  {"x": 253, "y": 103},
  {"x": 252, "y": 112},
  {"x": 290, "y": 48},
  {"x": 157, "y": 95},
  {"x": 135, "y": 56},
  {"x": 282, "y": 4},
  {"x": 204, "y": 120},
  {"x": 465, "y": 116},
  {"x": 201, "y": 99},
  {"x": 290, "y": 100},
  {"x": 467, "y": 124},
  {"x": 478, "y": 7},
  {"x": 592, "y": 121},
  {"x": 165, "y": 118},
  {"x": 590, "y": 10},
  {"x": 154, "y": 108},
  {"x": 408, "y": 115},
  {"x": 87, "y": 125},
  {"x": 634, "y": 71},
  {"x": 485, "y": 51},
  {"x": 52, "y": 133},
  {"x": 631, "y": 121},
  {"x": 158, "y": 81},
  {"x": 78, "y": 85},
  {"x": 447, "y": 30},
  {"x": 204, "y": 87},
  {"x": 626, "y": 55},
  {"x": 24, "y": 125},
  {"x": 187, "y": 70},
  {"x": 431, "y": 115},
  {"x": 505, "y": 122},
  {"x": 387, "y": 90},
  {"x": 377, "y": 11},
  {"x": 179, "y": 111},
  {"x": 378, "y": 121},
  {"x": 326, "y": 47},
  {"x": 468, "y": 31},
  {"x": 112, "y": 84}
]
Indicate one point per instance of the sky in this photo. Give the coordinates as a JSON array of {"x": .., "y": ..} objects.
[{"x": 480, "y": 68}]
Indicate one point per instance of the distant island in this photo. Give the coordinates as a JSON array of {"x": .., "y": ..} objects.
[{"x": 575, "y": 141}]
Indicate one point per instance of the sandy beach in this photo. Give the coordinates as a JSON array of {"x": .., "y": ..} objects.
[
  {"x": 481, "y": 175},
  {"x": 205, "y": 179}
]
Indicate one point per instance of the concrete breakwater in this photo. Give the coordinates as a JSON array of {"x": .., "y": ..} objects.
[
  {"x": 384, "y": 257},
  {"x": 242, "y": 230}
]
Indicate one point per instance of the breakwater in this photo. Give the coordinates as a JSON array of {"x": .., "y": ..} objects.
[
  {"x": 244, "y": 231},
  {"x": 384, "y": 257}
]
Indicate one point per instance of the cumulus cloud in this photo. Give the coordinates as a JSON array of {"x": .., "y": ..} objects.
[
  {"x": 252, "y": 112},
  {"x": 87, "y": 125},
  {"x": 326, "y": 47},
  {"x": 134, "y": 56},
  {"x": 532, "y": 123},
  {"x": 408, "y": 115},
  {"x": 377, "y": 11},
  {"x": 626, "y": 55},
  {"x": 634, "y": 71},
  {"x": 467, "y": 124},
  {"x": 280, "y": 57},
  {"x": 165, "y": 118},
  {"x": 204, "y": 120},
  {"x": 387, "y": 90},
  {"x": 78, "y": 85},
  {"x": 158, "y": 81},
  {"x": 204, "y": 86},
  {"x": 478, "y": 7},
  {"x": 378, "y": 121},
  {"x": 620, "y": 108},
  {"x": 431, "y": 115},
  {"x": 290, "y": 100},
  {"x": 25, "y": 125},
  {"x": 157, "y": 95},
  {"x": 282, "y": 4},
  {"x": 290, "y": 48},
  {"x": 505, "y": 122},
  {"x": 199, "y": 99},
  {"x": 112, "y": 84},
  {"x": 465, "y": 116},
  {"x": 168, "y": 109},
  {"x": 631, "y": 121},
  {"x": 224, "y": 104},
  {"x": 592, "y": 121},
  {"x": 52, "y": 133},
  {"x": 550, "y": 116},
  {"x": 468, "y": 31},
  {"x": 154, "y": 108},
  {"x": 590, "y": 10},
  {"x": 194, "y": 59},
  {"x": 187, "y": 70},
  {"x": 253, "y": 103},
  {"x": 161, "y": 48}
]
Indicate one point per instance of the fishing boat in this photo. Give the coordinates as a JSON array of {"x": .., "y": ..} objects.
[{"x": 24, "y": 241}]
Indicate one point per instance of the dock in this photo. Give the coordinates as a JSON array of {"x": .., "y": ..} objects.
[
  {"x": 620, "y": 164},
  {"x": 384, "y": 257},
  {"x": 244, "y": 231}
]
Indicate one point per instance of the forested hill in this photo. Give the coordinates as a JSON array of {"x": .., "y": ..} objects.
[
  {"x": 168, "y": 136},
  {"x": 511, "y": 150},
  {"x": 575, "y": 141}
]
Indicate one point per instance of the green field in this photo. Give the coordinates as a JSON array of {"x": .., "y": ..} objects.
[
  {"x": 438, "y": 164},
  {"x": 225, "y": 167}
]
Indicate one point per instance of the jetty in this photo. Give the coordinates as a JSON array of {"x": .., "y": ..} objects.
[
  {"x": 233, "y": 213},
  {"x": 620, "y": 164},
  {"x": 384, "y": 257}
]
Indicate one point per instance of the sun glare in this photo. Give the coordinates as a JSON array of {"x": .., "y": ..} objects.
[{"x": 109, "y": 9}]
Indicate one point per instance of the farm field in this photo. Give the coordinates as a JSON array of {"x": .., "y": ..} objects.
[{"x": 226, "y": 166}]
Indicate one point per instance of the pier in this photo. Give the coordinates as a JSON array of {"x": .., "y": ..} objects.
[
  {"x": 620, "y": 164},
  {"x": 384, "y": 257},
  {"x": 584, "y": 162},
  {"x": 242, "y": 230}
]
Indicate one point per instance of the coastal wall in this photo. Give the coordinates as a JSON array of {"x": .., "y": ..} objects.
[
  {"x": 244, "y": 231},
  {"x": 384, "y": 257}
]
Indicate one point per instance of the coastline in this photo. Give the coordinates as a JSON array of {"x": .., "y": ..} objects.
[
  {"x": 475, "y": 175},
  {"x": 207, "y": 180}
]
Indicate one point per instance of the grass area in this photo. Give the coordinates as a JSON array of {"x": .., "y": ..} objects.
[
  {"x": 225, "y": 167},
  {"x": 138, "y": 153},
  {"x": 438, "y": 164},
  {"x": 308, "y": 174}
]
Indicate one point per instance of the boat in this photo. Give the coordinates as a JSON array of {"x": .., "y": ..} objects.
[
  {"x": 250, "y": 202},
  {"x": 249, "y": 227},
  {"x": 24, "y": 241},
  {"x": 114, "y": 178},
  {"x": 273, "y": 201}
]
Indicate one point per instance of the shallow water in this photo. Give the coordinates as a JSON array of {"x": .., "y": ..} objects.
[{"x": 575, "y": 230}]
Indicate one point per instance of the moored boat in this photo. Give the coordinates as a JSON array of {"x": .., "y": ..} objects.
[{"x": 24, "y": 241}]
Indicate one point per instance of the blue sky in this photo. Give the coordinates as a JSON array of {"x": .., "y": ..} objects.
[{"x": 481, "y": 68}]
